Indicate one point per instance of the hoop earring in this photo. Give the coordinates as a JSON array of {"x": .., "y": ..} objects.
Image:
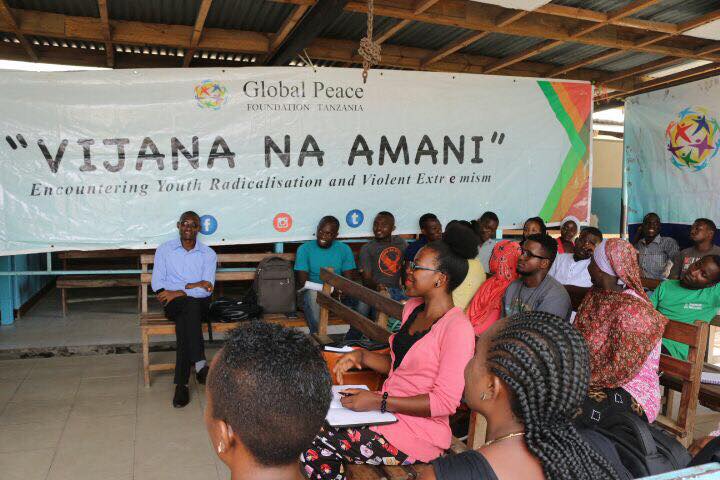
[
  {"x": 220, "y": 448},
  {"x": 484, "y": 396},
  {"x": 437, "y": 284}
]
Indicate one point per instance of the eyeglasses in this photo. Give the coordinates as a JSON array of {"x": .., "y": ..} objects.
[
  {"x": 528, "y": 253},
  {"x": 414, "y": 266},
  {"x": 188, "y": 224}
]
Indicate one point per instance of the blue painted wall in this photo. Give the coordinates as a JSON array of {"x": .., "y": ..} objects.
[
  {"x": 606, "y": 207},
  {"x": 26, "y": 287}
]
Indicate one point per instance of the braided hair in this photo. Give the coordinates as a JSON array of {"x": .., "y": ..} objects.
[{"x": 545, "y": 363}]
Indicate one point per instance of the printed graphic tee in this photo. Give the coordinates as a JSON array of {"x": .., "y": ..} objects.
[{"x": 384, "y": 260}]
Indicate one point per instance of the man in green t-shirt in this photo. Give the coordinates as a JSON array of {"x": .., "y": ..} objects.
[{"x": 696, "y": 296}]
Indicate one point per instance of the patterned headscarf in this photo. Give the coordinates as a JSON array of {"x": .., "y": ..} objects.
[
  {"x": 487, "y": 303},
  {"x": 620, "y": 328}
]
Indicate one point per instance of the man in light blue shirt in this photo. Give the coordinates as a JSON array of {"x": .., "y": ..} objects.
[
  {"x": 183, "y": 278},
  {"x": 322, "y": 252}
]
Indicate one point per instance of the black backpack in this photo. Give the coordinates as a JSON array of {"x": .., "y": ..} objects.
[
  {"x": 228, "y": 310},
  {"x": 644, "y": 449},
  {"x": 275, "y": 286}
]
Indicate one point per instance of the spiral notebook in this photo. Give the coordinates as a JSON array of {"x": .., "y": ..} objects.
[
  {"x": 339, "y": 416},
  {"x": 711, "y": 378}
]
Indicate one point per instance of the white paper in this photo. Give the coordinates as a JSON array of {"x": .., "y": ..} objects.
[
  {"x": 712, "y": 378},
  {"x": 339, "y": 416},
  {"x": 313, "y": 286},
  {"x": 345, "y": 349}
]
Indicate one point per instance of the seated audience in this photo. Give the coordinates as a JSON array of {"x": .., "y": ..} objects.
[
  {"x": 424, "y": 371},
  {"x": 467, "y": 243},
  {"x": 528, "y": 378},
  {"x": 702, "y": 234},
  {"x": 381, "y": 261},
  {"x": 623, "y": 333},
  {"x": 322, "y": 252},
  {"x": 568, "y": 231},
  {"x": 656, "y": 252},
  {"x": 534, "y": 226},
  {"x": 430, "y": 230},
  {"x": 267, "y": 396},
  {"x": 696, "y": 296},
  {"x": 486, "y": 230},
  {"x": 183, "y": 278},
  {"x": 535, "y": 290},
  {"x": 571, "y": 269},
  {"x": 486, "y": 306}
]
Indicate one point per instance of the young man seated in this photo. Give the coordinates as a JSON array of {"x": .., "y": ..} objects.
[
  {"x": 430, "y": 230},
  {"x": 696, "y": 296},
  {"x": 322, "y": 252},
  {"x": 571, "y": 269},
  {"x": 655, "y": 252},
  {"x": 267, "y": 396},
  {"x": 183, "y": 277},
  {"x": 702, "y": 233},
  {"x": 486, "y": 231},
  {"x": 535, "y": 290}
]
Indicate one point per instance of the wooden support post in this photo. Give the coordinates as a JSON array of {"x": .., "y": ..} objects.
[
  {"x": 382, "y": 317},
  {"x": 324, "y": 312},
  {"x": 146, "y": 357}
]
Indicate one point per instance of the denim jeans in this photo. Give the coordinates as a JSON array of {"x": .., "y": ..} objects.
[{"x": 312, "y": 309}]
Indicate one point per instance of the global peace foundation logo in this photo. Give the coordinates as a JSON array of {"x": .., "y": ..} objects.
[
  {"x": 693, "y": 139},
  {"x": 211, "y": 94}
]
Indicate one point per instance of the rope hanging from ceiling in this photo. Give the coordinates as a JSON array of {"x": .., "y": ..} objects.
[{"x": 369, "y": 50}]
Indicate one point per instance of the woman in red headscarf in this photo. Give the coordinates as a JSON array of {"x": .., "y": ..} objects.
[
  {"x": 486, "y": 306},
  {"x": 624, "y": 333}
]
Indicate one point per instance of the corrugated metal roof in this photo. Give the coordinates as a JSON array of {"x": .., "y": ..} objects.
[
  {"x": 80, "y": 8},
  {"x": 598, "y": 5},
  {"x": 501, "y": 45},
  {"x": 255, "y": 15},
  {"x": 625, "y": 61},
  {"x": 353, "y": 26},
  {"x": 174, "y": 12},
  {"x": 568, "y": 53},
  {"x": 677, "y": 11},
  {"x": 424, "y": 35}
]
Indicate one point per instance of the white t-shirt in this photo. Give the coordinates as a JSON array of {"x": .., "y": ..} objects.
[{"x": 569, "y": 272}]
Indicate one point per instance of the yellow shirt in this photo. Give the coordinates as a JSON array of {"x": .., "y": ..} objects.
[{"x": 466, "y": 291}]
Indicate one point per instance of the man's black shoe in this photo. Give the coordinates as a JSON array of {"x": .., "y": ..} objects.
[
  {"x": 201, "y": 376},
  {"x": 182, "y": 396}
]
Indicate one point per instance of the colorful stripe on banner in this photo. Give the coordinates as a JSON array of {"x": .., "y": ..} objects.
[{"x": 569, "y": 195}]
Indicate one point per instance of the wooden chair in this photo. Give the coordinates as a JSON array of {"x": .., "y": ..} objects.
[
  {"x": 128, "y": 258},
  {"x": 155, "y": 323},
  {"x": 377, "y": 331},
  {"x": 683, "y": 376}
]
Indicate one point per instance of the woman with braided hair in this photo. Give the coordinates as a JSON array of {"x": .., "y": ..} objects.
[{"x": 528, "y": 377}]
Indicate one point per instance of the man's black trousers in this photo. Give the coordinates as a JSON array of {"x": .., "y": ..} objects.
[{"x": 188, "y": 314}]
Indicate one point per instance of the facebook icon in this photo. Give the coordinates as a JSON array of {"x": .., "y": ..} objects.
[
  {"x": 354, "y": 218},
  {"x": 208, "y": 224}
]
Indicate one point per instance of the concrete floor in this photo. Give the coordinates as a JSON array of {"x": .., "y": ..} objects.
[{"x": 89, "y": 417}]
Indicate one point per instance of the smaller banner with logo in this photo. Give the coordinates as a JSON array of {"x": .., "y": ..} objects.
[{"x": 672, "y": 140}]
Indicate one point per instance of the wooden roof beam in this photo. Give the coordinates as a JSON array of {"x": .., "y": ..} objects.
[
  {"x": 661, "y": 82},
  {"x": 584, "y": 62},
  {"x": 197, "y": 31},
  {"x": 7, "y": 14},
  {"x": 519, "y": 57},
  {"x": 55, "y": 25},
  {"x": 109, "y": 49},
  {"x": 320, "y": 16},
  {"x": 420, "y": 7},
  {"x": 599, "y": 17},
  {"x": 288, "y": 25},
  {"x": 504, "y": 19},
  {"x": 474, "y": 16},
  {"x": 617, "y": 14}
]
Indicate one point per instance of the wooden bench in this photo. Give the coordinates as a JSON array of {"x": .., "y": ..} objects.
[
  {"x": 683, "y": 376},
  {"x": 105, "y": 280},
  {"x": 377, "y": 331},
  {"x": 155, "y": 323}
]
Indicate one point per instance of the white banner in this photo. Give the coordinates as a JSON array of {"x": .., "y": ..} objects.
[{"x": 109, "y": 159}]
